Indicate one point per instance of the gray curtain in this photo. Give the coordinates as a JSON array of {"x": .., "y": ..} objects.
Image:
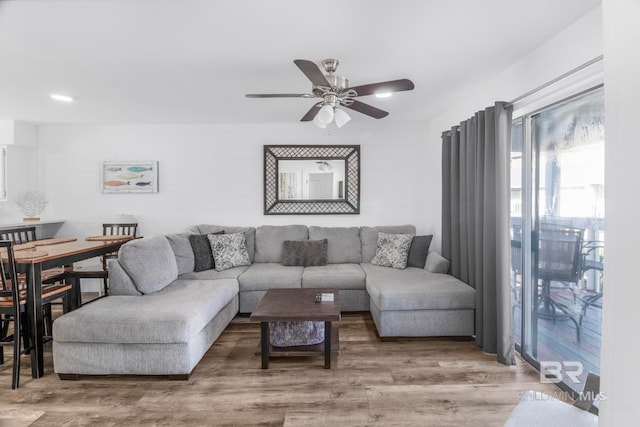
[{"x": 475, "y": 221}]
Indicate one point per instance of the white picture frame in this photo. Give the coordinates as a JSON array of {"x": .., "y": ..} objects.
[{"x": 129, "y": 177}]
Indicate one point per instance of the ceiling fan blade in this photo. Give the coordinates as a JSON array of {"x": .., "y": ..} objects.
[
  {"x": 279, "y": 95},
  {"x": 384, "y": 87},
  {"x": 367, "y": 109},
  {"x": 311, "y": 114},
  {"x": 313, "y": 73}
]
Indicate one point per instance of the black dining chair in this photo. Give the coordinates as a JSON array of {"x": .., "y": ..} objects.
[
  {"x": 101, "y": 270},
  {"x": 15, "y": 329},
  {"x": 24, "y": 236},
  {"x": 18, "y": 235}
]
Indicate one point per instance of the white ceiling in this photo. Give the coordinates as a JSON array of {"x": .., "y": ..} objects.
[{"x": 192, "y": 61}]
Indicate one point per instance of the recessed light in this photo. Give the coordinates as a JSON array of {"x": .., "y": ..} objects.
[
  {"x": 60, "y": 97},
  {"x": 383, "y": 95}
]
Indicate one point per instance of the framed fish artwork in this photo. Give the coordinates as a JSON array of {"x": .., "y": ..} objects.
[{"x": 130, "y": 177}]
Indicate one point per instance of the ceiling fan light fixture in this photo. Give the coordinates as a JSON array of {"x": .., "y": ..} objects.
[
  {"x": 335, "y": 91},
  {"x": 325, "y": 115},
  {"x": 341, "y": 117},
  {"x": 317, "y": 122}
]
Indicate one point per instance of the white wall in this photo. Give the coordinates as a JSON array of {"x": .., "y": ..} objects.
[
  {"x": 214, "y": 174},
  {"x": 576, "y": 45},
  {"x": 620, "y": 347}
]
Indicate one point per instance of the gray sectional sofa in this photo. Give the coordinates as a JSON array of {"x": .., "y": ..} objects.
[{"x": 161, "y": 316}]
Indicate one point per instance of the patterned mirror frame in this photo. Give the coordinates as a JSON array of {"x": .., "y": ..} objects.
[{"x": 349, "y": 205}]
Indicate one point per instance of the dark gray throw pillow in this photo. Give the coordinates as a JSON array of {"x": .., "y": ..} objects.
[
  {"x": 418, "y": 251},
  {"x": 305, "y": 253},
  {"x": 203, "y": 257}
]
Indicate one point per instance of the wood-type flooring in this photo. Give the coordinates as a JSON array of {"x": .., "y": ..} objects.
[{"x": 412, "y": 382}]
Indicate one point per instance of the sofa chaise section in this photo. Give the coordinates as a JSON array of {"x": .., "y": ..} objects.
[
  {"x": 156, "y": 325},
  {"x": 417, "y": 303},
  {"x": 165, "y": 333}
]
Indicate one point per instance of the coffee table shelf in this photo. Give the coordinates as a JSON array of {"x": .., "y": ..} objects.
[
  {"x": 305, "y": 350},
  {"x": 298, "y": 304}
]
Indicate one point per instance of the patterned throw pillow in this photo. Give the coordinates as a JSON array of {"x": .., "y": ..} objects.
[
  {"x": 392, "y": 250},
  {"x": 229, "y": 250}
]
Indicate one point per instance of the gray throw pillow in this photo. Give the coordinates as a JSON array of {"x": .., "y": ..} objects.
[
  {"x": 203, "y": 257},
  {"x": 305, "y": 253},
  {"x": 229, "y": 250},
  {"x": 418, "y": 251},
  {"x": 392, "y": 250}
]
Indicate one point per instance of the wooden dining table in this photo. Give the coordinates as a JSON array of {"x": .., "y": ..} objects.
[{"x": 57, "y": 255}]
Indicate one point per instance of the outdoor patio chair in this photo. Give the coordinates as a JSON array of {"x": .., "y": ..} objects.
[
  {"x": 559, "y": 261},
  {"x": 516, "y": 272},
  {"x": 592, "y": 259}
]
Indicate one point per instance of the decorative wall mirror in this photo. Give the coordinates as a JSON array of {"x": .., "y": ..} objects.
[{"x": 311, "y": 179}]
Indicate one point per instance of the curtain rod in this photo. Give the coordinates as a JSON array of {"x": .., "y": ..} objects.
[
  {"x": 549, "y": 83},
  {"x": 557, "y": 79}
]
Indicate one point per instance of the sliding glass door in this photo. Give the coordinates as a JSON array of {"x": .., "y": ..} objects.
[{"x": 558, "y": 236}]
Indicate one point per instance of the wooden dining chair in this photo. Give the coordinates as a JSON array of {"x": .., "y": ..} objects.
[
  {"x": 101, "y": 270},
  {"x": 26, "y": 235},
  {"x": 14, "y": 327},
  {"x": 18, "y": 235}
]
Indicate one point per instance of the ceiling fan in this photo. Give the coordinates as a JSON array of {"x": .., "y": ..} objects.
[{"x": 335, "y": 92}]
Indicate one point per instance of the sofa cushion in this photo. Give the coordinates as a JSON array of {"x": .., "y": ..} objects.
[
  {"x": 304, "y": 253},
  {"x": 173, "y": 315},
  {"x": 183, "y": 252},
  {"x": 231, "y": 273},
  {"x": 436, "y": 263},
  {"x": 392, "y": 250},
  {"x": 269, "y": 240},
  {"x": 336, "y": 276},
  {"x": 369, "y": 238},
  {"x": 418, "y": 251},
  {"x": 229, "y": 250},
  {"x": 249, "y": 233},
  {"x": 149, "y": 262},
  {"x": 416, "y": 289},
  {"x": 344, "y": 243},
  {"x": 263, "y": 276},
  {"x": 205, "y": 229}
]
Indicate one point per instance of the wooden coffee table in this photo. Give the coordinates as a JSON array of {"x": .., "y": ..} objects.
[{"x": 298, "y": 305}]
